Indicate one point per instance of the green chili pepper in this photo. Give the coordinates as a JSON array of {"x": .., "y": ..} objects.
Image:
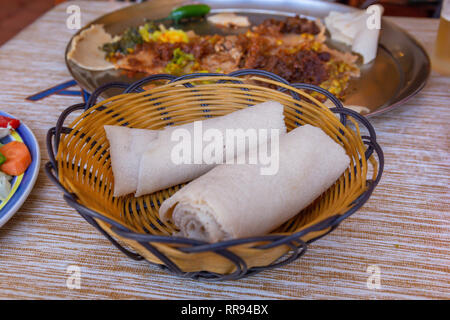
[
  {"x": 2, "y": 158},
  {"x": 189, "y": 11}
]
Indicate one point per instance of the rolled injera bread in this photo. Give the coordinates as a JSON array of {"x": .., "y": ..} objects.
[
  {"x": 126, "y": 148},
  {"x": 235, "y": 200},
  {"x": 158, "y": 171},
  {"x": 86, "y": 48},
  {"x": 358, "y": 29}
]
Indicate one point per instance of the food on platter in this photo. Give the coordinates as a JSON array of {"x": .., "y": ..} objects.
[
  {"x": 86, "y": 50},
  {"x": 189, "y": 11},
  {"x": 86, "y": 47},
  {"x": 293, "y": 48},
  {"x": 229, "y": 20},
  {"x": 142, "y": 159},
  {"x": 359, "y": 29},
  {"x": 15, "y": 157},
  {"x": 233, "y": 201}
]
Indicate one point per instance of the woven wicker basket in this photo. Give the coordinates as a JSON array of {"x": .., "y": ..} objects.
[{"x": 80, "y": 165}]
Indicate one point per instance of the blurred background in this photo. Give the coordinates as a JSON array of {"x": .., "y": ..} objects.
[{"x": 17, "y": 14}]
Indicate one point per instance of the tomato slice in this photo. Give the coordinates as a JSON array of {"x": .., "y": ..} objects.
[
  {"x": 18, "y": 158},
  {"x": 5, "y": 121}
]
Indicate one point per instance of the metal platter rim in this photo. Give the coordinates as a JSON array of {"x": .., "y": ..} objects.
[{"x": 422, "y": 84}]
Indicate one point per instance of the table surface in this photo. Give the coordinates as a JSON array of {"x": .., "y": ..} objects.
[{"x": 403, "y": 229}]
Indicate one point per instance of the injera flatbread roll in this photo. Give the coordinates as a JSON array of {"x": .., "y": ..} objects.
[
  {"x": 234, "y": 201},
  {"x": 85, "y": 50},
  {"x": 352, "y": 28},
  {"x": 157, "y": 171},
  {"x": 126, "y": 148}
]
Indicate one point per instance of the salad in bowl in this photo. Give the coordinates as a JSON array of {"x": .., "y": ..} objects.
[{"x": 20, "y": 159}]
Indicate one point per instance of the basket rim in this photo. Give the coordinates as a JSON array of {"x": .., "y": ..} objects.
[{"x": 197, "y": 246}]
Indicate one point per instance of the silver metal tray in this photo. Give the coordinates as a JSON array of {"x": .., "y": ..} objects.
[{"x": 399, "y": 71}]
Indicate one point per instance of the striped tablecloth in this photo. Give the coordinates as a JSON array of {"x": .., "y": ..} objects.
[{"x": 403, "y": 231}]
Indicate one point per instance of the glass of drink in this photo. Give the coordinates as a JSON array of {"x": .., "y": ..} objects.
[{"x": 441, "y": 56}]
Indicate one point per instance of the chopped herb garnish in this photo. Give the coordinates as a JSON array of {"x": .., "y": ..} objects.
[
  {"x": 179, "y": 61},
  {"x": 129, "y": 40}
]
